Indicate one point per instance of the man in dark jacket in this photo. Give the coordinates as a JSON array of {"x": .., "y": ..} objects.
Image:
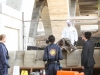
[
  {"x": 87, "y": 59},
  {"x": 52, "y": 55}
]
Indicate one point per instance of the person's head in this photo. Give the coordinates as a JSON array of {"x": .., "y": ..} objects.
[
  {"x": 51, "y": 39},
  {"x": 69, "y": 23},
  {"x": 3, "y": 38},
  {"x": 86, "y": 36},
  {"x": 60, "y": 43}
]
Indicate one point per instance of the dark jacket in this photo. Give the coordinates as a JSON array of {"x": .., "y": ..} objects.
[
  {"x": 3, "y": 60},
  {"x": 56, "y": 50},
  {"x": 87, "y": 59}
]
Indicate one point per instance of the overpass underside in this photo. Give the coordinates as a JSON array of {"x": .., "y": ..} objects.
[{"x": 53, "y": 15}]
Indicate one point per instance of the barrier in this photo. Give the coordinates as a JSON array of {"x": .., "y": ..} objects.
[{"x": 69, "y": 73}]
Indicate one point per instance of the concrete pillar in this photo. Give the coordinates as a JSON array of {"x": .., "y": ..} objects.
[
  {"x": 77, "y": 9},
  {"x": 35, "y": 20},
  {"x": 46, "y": 21},
  {"x": 73, "y": 8},
  {"x": 78, "y": 28},
  {"x": 58, "y": 10}
]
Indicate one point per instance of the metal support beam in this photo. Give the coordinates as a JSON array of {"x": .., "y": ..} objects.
[
  {"x": 35, "y": 17},
  {"x": 84, "y": 18},
  {"x": 89, "y": 12},
  {"x": 88, "y": 6},
  {"x": 86, "y": 23},
  {"x": 77, "y": 8},
  {"x": 88, "y": 3}
]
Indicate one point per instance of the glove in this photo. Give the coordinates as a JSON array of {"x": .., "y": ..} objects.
[
  {"x": 75, "y": 43},
  {"x": 7, "y": 65}
]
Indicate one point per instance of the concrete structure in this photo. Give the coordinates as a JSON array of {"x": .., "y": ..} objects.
[
  {"x": 19, "y": 20},
  {"x": 53, "y": 15},
  {"x": 33, "y": 59},
  {"x": 11, "y": 25}
]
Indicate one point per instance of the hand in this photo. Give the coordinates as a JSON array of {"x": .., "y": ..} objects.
[
  {"x": 7, "y": 66},
  {"x": 75, "y": 43},
  {"x": 83, "y": 67}
]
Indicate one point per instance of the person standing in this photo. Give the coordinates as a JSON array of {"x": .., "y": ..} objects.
[
  {"x": 3, "y": 56},
  {"x": 69, "y": 37},
  {"x": 87, "y": 59},
  {"x": 52, "y": 54},
  {"x": 70, "y": 32}
]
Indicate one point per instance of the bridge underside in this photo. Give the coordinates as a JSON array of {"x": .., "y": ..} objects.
[{"x": 55, "y": 13}]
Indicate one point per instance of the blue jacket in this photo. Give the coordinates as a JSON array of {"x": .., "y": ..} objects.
[
  {"x": 52, "y": 52},
  {"x": 3, "y": 56}
]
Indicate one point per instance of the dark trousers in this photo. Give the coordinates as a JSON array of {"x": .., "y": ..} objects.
[
  {"x": 52, "y": 69},
  {"x": 88, "y": 71}
]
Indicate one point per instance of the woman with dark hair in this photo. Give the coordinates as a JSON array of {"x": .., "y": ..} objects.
[
  {"x": 52, "y": 55},
  {"x": 3, "y": 56}
]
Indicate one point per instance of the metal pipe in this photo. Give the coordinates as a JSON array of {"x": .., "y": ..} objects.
[{"x": 23, "y": 28}]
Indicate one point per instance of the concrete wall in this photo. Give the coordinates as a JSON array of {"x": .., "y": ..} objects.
[
  {"x": 11, "y": 25},
  {"x": 58, "y": 10},
  {"x": 15, "y": 4},
  {"x": 28, "y": 59},
  {"x": 25, "y": 6}
]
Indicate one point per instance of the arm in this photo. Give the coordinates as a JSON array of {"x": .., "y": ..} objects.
[
  {"x": 84, "y": 54},
  {"x": 60, "y": 56}
]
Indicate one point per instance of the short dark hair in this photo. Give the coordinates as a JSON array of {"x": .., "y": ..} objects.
[
  {"x": 51, "y": 38},
  {"x": 87, "y": 35}
]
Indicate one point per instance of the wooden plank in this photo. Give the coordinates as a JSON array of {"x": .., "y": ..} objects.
[
  {"x": 87, "y": 3},
  {"x": 89, "y": 12},
  {"x": 86, "y": 23},
  {"x": 88, "y": 6},
  {"x": 84, "y": 18}
]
